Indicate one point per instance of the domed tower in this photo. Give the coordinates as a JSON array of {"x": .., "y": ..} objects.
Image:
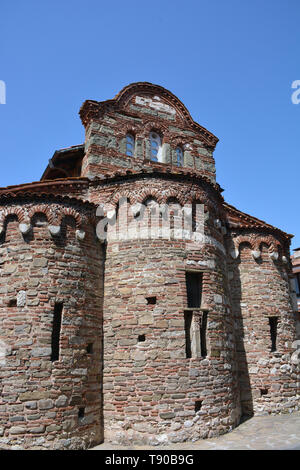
[{"x": 169, "y": 359}]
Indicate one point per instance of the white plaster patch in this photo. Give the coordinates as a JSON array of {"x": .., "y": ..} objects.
[
  {"x": 256, "y": 254},
  {"x": 155, "y": 104},
  {"x": 2, "y": 353},
  {"x": 24, "y": 228},
  {"x": 187, "y": 147},
  {"x": 80, "y": 235},
  {"x": 209, "y": 263},
  {"x": 274, "y": 255},
  {"x": 21, "y": 298},
  {"x": 54, "y": 229},
  {"x": 218, "y": 299}
]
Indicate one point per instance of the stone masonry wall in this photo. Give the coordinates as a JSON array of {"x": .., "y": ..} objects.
[
  {"x": 105, "y": 143},
  {"x": 151, "y": 388},
  {"x": 268, "y": 379},
  {"x": 48, "y": 403}
]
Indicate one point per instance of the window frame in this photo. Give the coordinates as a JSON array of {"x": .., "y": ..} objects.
[
  {"x": 130, "y": 140},
  {"x": 155, "y": 138},
  {"x": 181, "y": 158}
]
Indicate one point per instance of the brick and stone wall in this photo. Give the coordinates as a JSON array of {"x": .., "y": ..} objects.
[
  {"x": 151, "y": 389},
  {"x": 152, "y": 392},
  {"x": 105, "y": 142},
  {"x": 261, "y": 295},
  {"x": 49, "y": 256}
]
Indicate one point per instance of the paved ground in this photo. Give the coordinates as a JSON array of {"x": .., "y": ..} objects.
[{"x": 258, "y": 433}]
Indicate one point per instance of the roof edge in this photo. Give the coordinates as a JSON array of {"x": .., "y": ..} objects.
[
  {"x": 92, "y": 109},
  {"x": 260, "y": 223}
]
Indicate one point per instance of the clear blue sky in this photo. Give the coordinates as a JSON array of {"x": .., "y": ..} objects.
[{"x": 232, "y": 63}]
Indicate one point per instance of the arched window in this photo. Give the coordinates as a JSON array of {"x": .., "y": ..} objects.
[
  {"x": 179, "y": 155},
  {"x": 155, "y": 147},
  {"x": 130, "y": 145}
]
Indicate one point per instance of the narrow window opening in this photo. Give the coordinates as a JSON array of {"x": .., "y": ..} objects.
[
  {"x": 12, "y": 303},
  {"x": 179, "y": 155},
  {"x": 197, "y": 215},
  {"x": 195, "y": 319},
  {"x": 188, "y": 316},
  {"x": 203, "y": 334},
  {"x": 263, "y": 391},
  {"x": 56, "y": 330},
  {"x": 151, "y": 300},
  {"x": 130, "y": 145},
  {"x": 155, "y": 147},
  {"x": 81, "y": 412},
  {"x": 198, "y": 405},
  {"x": 273, "y": 321},
  {"x": 194, "y": 289},
  {"x": 90, "y": 348},
  {"x": 297, "y": 284},
  {"x": 141, "y": 338}
]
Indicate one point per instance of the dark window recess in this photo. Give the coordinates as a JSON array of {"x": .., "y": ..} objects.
[
  {"x": 12, "y": 303},
  {"x": 104, "y": 249},
  {"x": 203, "y": 335},
  {"x": 263, "y": 391},
  {"x": 198, "y": 405},
  {"x": 273, "y": 321},
  {"x": 56, "y": 330},
  {"x": 297, "y": 284},
  {"x": 194, "y": 217},
  {"x": 188, "y": 316},
  {"x": 90, "y": 348},
  {"x": 141, "y": 338},
  {"x": 194, "y": 289},
  {"x": 151, "y": 300},
  {"x": 81, "y": 413}
]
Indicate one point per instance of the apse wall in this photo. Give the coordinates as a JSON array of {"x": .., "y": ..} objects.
[
  {"x": 169, "y": 369},
  {"x": 260, "y": 274},
  {"x": 50, "y": 325}
]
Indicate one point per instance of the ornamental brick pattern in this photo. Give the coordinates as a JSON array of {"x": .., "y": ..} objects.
[{"x": 98, "y": 339}]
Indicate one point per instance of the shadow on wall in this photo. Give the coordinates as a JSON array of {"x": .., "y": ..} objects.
[{"x": 243, "y": 377}]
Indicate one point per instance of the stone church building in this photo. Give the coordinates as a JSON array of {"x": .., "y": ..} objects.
[{"x": 135, "y": 336}]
